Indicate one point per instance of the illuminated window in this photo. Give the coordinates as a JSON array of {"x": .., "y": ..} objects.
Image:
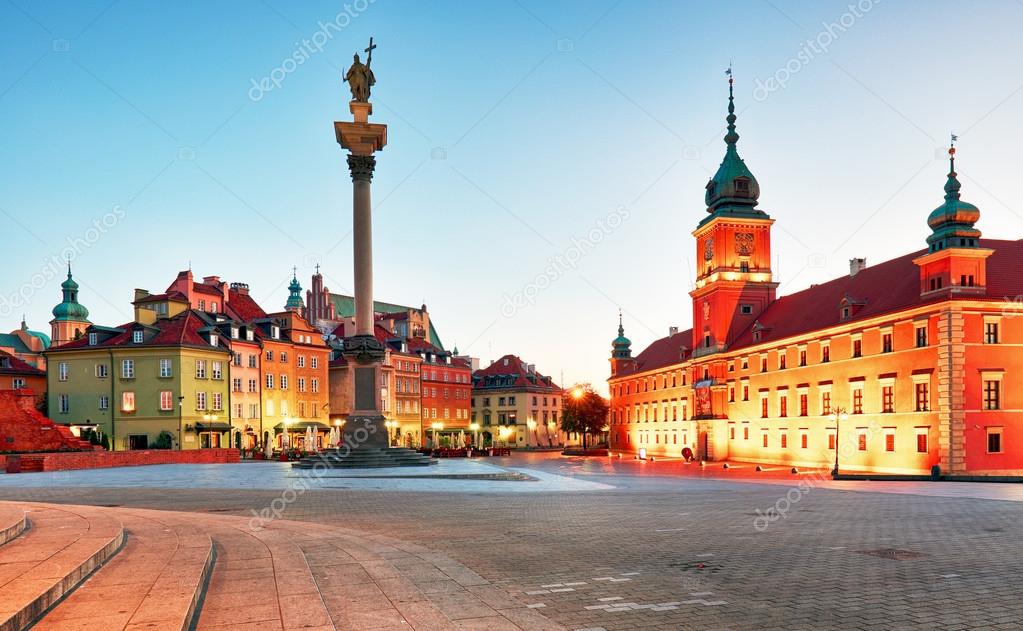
[
  {"x": 831, "y": 440},
  {"x": 745, "y": 432},
  {"x": 802, "y": 357},
  {"x": 731, "y": 432},
  {"x": 921, "y": 442},
  {"x": 784, "y": 440},
  {"x": 886, "y": 343},
  {"x": 166, "y": 400},
  {"x": 764, "y": 438},
  {"x": 861, "y": 440},
  {"x": 857, "y": 348},
  {"x": 783, "y": 405},
  {"x": 745, "y": 392},
  {"x": 803, "y": 404},
  {"x": 825, "y": 353},
  {"x": 889, "y": 441},
  {"x": 803, "y": 440},
  {"x": 763, "y": 406},
  {"x": 127, "y": 401}
]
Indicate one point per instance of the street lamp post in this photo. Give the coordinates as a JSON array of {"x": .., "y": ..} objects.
[{"x": 839, "y": 414}]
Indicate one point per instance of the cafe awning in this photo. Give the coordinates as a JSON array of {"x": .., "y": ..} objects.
[{"x": 213, "y": 427}]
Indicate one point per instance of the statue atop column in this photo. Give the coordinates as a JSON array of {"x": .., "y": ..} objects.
[{"x": 360, "y": 76}]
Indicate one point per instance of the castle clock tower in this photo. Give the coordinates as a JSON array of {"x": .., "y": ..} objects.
[{"x": 734, "y": 283}]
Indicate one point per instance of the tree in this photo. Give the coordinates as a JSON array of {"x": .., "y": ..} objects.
[{"x": 584, "y": 412}]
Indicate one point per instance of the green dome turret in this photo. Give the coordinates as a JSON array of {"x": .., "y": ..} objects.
[
  {"x": 952, "y": 222},
  {"x": 70, "y": 308},
  {"x": 621, "y": 347},
  {"x": 294, "y": 302},
  {"x": 733, "y": 189}
]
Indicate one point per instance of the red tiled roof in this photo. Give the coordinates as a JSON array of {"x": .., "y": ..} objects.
[
  {"x": 517, "y": 368},
  {"x": 884, "y": 288},
  {"x": 379, "y": 332},
  {"x": 181, "y": 330},
  {"x": 242, "y": 307},
  {"x": 11, "y": 365}
]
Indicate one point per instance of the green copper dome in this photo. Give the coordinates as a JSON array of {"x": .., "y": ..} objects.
[
  {"x": 621, "y": 347},
  {"x": 733, "y": 189},
  {"x": 70, "y": 308},
  {"x": 952, "y": 222},
  {"x": 294, "y": 294}
]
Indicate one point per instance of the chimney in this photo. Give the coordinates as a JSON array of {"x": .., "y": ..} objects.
[
  {"x": 140, "y": 294},
  {"x": 856, "y": 266},
  {"x": 530, "y": 368},
  {"x": 241, "y": 288},
  {"x": 672, "y": 331}
]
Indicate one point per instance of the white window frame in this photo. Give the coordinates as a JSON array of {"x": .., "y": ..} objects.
[
  {"x": 127, "y": 369},
  {"x": 166, "y": 400},
  {"x": 165, "y": 368},
  {"x": 137, "y": 336},
  {"x": 62, "y": 371}
]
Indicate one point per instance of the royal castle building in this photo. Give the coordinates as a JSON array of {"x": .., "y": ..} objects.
[{"x": 896, "y": 367}]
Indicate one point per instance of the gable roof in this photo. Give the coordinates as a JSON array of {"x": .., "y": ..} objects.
[
  {"x": 241, "y": 306},
  {"x": 183, "y": 329},
  {"x": 11, "y": 365},
  {"x": 511, "y": 371}
]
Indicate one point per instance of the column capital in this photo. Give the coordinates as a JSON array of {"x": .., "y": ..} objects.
[{"x": 361, "y": 167}]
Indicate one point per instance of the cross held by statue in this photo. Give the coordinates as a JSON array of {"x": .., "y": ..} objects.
[{"x": 369, "y": 51}]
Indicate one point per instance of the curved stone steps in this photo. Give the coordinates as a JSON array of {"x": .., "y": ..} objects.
[
  {"x": 155, "y": 583},
  {"x": 13, "y": 522},
  {"x": 261, "y": 581},
  {"x": 61, "y": 548}
]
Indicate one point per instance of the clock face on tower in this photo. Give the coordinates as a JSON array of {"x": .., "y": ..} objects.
[
  {"x": 708, "y": 249},
  {"x": 744, "y": 243}
]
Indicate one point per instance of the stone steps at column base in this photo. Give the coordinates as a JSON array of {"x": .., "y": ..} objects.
[{"x": 366, "y": 458}]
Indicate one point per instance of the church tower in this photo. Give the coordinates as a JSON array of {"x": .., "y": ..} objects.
[
  {"x": 955, "y": 263},
  {"x": 621, "y": 350},
  {"x": 70, "y": 319},
  {"x": 294, "y": 302},
  {"x": 734, "y": 283}
]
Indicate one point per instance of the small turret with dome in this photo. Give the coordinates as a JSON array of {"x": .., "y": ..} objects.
[
  {"x": 952, "y": 222},
  {"x": 733, "y": 190},
  {"x": 70, "y": 317},
  {"x": 294, "y": 302},
  {"x": 621, "y": 347}
]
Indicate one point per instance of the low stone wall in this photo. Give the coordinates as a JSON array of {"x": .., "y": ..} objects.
[{"x": 67, "y": 461}]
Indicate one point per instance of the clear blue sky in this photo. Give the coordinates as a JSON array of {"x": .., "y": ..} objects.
[{"x": 514, "y": 127}]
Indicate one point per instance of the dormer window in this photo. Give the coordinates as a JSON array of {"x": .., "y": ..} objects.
[
  {"x": 93, "y": 339},
  {"x": 234, "y": 332},
  {"x": 136, "y": 336},
  {"x": 275, "y": 332},
  {"x": 742, "y": 185},
  {"x": 845, "y": 313},
  {"x": 214, "y": 339},
  {"x": 249, "y": 335},
  {"x": 213, "y": 307}
]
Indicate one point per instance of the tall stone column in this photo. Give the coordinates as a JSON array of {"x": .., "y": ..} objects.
[{"x": 365, "y": 354}]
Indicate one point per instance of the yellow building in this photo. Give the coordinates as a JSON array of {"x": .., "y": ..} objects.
[{"x": 514, "y": 405}]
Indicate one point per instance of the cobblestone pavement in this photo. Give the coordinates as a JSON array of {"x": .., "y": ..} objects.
[{"x": 665, "y": 550}]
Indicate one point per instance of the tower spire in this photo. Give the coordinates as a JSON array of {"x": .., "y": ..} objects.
[
  {"x": 731, "y": 137},
  {"x": 952, "y": 223},
  {"x": 733, "y": 189}
]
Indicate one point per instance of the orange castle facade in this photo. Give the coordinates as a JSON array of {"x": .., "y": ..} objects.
[{"x": 894, "y": 368}]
